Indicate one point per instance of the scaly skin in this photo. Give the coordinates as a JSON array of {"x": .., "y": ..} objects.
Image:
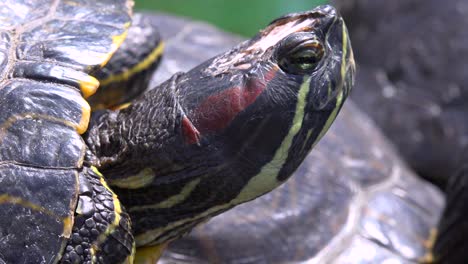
[{"x": 229, "y": 130}]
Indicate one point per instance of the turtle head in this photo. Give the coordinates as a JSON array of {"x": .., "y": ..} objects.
[
  {"x": 259, "y": 108},
  {"x": 303, "y": 47},
  {"x": 229, "y": 130}
]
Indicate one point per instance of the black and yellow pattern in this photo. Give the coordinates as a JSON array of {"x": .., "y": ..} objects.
[
  {"x": 177, "y": 155},
  {"x": 102, "y": 230},
  {"x": 30, "y": 217},
  {"x": 129, "y": 71},
  {"x": 229, "y": 130},
  {"x": 48, "y": 48}
]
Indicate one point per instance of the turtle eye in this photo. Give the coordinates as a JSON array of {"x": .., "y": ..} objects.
[{"x": 300, "y": 53}]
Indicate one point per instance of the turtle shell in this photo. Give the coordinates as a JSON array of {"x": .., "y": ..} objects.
[
  {"x": 352, "y": 201},
  {"x": 416, "y": 92},
  {"x": 47, "y": 50}
]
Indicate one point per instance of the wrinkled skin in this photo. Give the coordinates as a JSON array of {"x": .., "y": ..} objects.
[
  {"x": 333, "y": 209},
  {"x": 231, "y": 129}
]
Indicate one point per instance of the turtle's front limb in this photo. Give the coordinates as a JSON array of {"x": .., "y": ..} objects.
[
  {"x": 102, "y": 229},
  {"x": 129, "y": 71}
]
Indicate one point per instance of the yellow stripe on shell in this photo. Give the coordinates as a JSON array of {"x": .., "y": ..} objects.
[
  {"x": 144, "y": 178},
  {"x": 144, "y": 64},
  {"x": 171, "y": 201},
  {"x": 88, "y": 86},
  {"x": 85, "y": 116},
  {"x": 67, "y": 226},
  {"x": 67, "y": 221},
  {"x": 117, "y": 40},
  {"x": 80, "y": 127},
  {"x": 6, "y": 198},
  {"x": 12, "y": 119},
  {"x": 259, "y": 184}
]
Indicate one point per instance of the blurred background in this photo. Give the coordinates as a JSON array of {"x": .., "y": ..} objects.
[{"x": 232, "y": 16}]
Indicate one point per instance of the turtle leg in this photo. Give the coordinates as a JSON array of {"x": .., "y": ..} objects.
[
  {"x": 129, "y": 71},
  {"x": 102, "y": 229}
]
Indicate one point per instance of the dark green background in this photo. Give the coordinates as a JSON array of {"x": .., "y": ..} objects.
[{"x": 244, "y": 17}]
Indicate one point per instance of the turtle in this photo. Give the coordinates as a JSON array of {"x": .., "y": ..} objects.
[
  {"x": 353, "y": 200},
  {"x": 81, "y": 189},
  {"x": 451, "y": 244},
  {"x": 46, "y": 50},
  {"x": 417, "y": 91}
]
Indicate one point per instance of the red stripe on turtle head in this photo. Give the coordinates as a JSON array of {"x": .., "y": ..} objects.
[
  {"x": 217, "y": 111},
  {"x": 190, "y": 132}
]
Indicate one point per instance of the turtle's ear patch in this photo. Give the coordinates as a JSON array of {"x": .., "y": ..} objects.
[{"x": 216, "y": 111}]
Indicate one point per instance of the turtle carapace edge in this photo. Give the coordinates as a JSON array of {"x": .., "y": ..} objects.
[{"x": 229, "y": 130}]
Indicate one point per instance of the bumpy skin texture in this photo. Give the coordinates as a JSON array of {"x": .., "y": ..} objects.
[
  {"x": 96, "y": 211},
  {"x": 412, "y": 57},
  {"x": 183, "y": 145},
  {"x": 356, "y": 185},
  {"x": 42, "y": 112}
]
